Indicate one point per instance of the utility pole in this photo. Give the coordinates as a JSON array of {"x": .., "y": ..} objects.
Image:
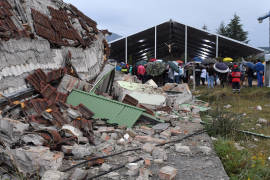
[{"x": 260, "y": 19}]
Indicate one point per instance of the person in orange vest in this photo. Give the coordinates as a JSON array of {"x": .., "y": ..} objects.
[{"x": 236, "y": 79}]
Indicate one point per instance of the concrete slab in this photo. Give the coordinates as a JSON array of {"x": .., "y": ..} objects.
[{"x": 149, "y": 99}]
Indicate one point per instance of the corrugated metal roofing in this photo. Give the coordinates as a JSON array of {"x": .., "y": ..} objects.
[
  {"x": 108, "y": 69},
  {"x": 114, "y": 111}
]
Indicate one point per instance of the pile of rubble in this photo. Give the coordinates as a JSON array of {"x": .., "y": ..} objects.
[
  {"x": 66, "y": 114},
  {"x": 58, "y": 133}
]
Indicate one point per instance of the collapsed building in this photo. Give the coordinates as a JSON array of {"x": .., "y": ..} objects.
[
  {"x": 40, "y": 34},
  {"x": 59, "y": 118}
]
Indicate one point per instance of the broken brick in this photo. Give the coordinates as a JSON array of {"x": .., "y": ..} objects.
[{"x": 167, "y": 173}]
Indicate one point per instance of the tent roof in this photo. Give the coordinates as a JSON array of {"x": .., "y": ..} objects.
[{"x": 201, "y": 43}]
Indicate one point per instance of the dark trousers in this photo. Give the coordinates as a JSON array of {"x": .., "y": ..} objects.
[
  {"x": 197, "y": 80},
  {"x": 203, "y": 81},
  {"x": 222, "y": 82},
  {"x": 177, "y": 79},
  {"x": 250, "y": 79},
  {"x": 236, "y": 87},
  {"x": 142, "y": 77}
]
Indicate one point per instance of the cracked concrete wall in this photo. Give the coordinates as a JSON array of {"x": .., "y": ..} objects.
[{"x": 20, "y": 57}]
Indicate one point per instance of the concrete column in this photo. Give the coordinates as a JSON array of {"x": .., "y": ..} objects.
[{"x": 186, "y": 44}]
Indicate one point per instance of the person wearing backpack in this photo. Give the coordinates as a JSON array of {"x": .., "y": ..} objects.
[{"x": 236, "y": 79}]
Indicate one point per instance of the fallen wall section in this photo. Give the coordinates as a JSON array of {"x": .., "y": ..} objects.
[{"x": 40, "y": 34}]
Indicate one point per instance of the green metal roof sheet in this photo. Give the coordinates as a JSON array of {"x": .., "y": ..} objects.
[{"x": 114, "y": 111}]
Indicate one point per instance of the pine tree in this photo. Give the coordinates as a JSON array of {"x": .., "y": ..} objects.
[
  {"x": 222, "y": 30},
  {"x": 235, "y": 30},
  {"x": 205, "y": 27}
]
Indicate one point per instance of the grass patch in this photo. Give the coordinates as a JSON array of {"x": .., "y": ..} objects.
[
  {"x": 241, "y": 164},
  {"x": 252, "y": 162}
]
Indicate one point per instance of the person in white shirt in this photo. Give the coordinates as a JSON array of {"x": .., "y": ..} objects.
[{"x": 203, "y": 76}]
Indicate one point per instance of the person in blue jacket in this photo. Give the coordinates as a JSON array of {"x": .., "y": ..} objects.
[{"x": 260, "y": 70}]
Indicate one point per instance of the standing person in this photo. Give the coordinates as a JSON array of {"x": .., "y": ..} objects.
[
  {"x": 203, "y": 76},
  {"x": 141, "y": 73},
  {"x": 177, "y": 76},
  {"x": 124, "y": 68},
  {"x": 236, "y": 79},
  {"x": 223, "y": 79},
  {"x": 260, "y": 70},
  {"x": 181, "y": 73},
  {"x": 171, "y": 75},
  {"x": 243, "y": 74},
  {"x": 197, "y": 74},
  {"x": 211, "y": 76},
  {"x": 250, "y": 76},
  {"x": 130, "y": 69}
]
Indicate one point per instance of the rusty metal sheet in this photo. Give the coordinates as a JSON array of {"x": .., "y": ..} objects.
[
  {"x": 48, "y": 91},
  {"x": 86, "y": 113},
  {"x": 130, "y": 100}
]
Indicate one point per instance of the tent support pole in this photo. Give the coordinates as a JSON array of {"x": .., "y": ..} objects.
[
  {"x": 126, "y": 50},
  {"x": 216, "y": 46},
  {"x": 185, "y": 44},
  {"x": 155, "y": 42}
]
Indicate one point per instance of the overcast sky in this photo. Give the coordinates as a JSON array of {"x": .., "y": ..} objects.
[{"x": 126, "y": 17}]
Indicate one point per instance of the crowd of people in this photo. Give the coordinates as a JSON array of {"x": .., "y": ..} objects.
[{"x": 237, "y": 75}]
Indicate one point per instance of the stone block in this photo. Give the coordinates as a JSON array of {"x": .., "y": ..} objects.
[
  {"x": 147, "y": 130},
  {"x": 182, "y": 149},
  {"x": 53, "y": 175},
  {"x": 159, "y": 153},
  {"x": 148, "y": 147},
  {"x": 167, "y": 173}
]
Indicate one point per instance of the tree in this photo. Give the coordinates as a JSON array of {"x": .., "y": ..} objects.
[
  {"x": 205, "y": 27},
  {"x": 222, "y": 30},
  {"x": 235, "y": 30}
]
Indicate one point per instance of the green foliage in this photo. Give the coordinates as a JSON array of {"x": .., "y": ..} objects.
[
  {"x": 222, "y": 30},
  {"x": 223, "y": 123},
  {"x": 241, "y": 164},
  {"x": 252, "y": 162},
  {"x": 234, "y": 30}
]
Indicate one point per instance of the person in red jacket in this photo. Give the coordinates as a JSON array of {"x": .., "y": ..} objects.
[
  {"x": 236, "y": 79},
  {"x": 141, "y": 73}
]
